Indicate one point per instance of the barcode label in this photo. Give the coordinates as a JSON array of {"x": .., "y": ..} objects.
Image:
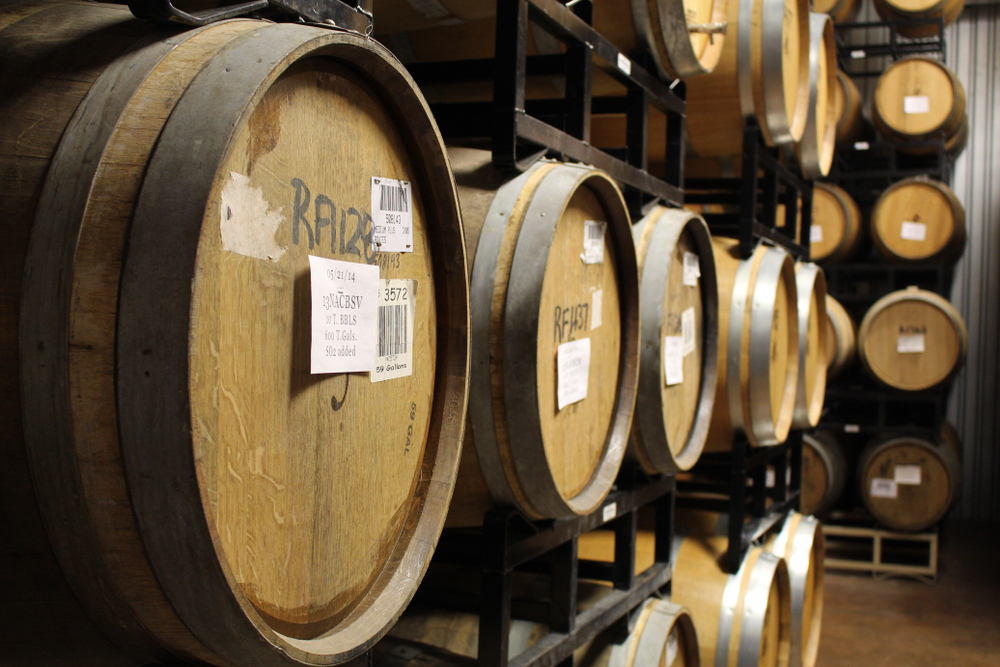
[
  {"x": 687, "y": 331},
  {"x": 593, "y": 242},
  {"x": 392, "y": 215},
  {"x": 692, "y": 270},
  {"x": 884, "y": 488},
  {"x": 394, "y": 344},
  {"x": 913, "y": 231}
]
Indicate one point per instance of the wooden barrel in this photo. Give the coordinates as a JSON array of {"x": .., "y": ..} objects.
[
  {"x": 663, "y": 634},
  {"x": 835, "y": 234},
  {"x": 682, "y": 38},
  {"x": 918, "y": 98},
  {"x": 815, "y": 151},
  {"x": 824, "y": 472},
  {"x": 841, "y": 339},
  {"x": 958, "y": 141},
  {"x": 918, "y": 219},
  {"x": 763, "y": 72},
  {"x": 950, "y": 438},
  {"x": 912, "y": 340},
  {"x": 742, "y": 619},
  {"x": 800, "y": 543},
  {"x": 841, "y": 11},
  {"x": 810, "y": 285},
  {"x": 903, "y": 10},
  {"x": 211, "y": 492},
  {"x": 847, "y": 104},
  {"x": 907, "y": 483},
  {"x": 555, "y": 337},
  {"x": 758, "y": 346},
  {"x": 680, "y": 332}
]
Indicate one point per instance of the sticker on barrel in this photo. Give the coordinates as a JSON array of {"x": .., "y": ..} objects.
[
  {"x": 392, "y": 215},
  {"x": 593, "y": 242},
  {"x": 394, "y": 345},
  {"x": 344, "y": 298},
  {"x": 573, "y": 371}
]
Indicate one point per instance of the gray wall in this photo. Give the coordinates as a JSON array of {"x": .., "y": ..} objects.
[{"x": 973, "y": 44}]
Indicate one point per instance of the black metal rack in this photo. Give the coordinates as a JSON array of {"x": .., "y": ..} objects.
[
  {"x": 521, "y": 131},
  {"x": 757, "y": 198},
  {"x": 865, "y": 168},
  {"x": 508, "y": 541},
  {"x": 895, "y": 45}
]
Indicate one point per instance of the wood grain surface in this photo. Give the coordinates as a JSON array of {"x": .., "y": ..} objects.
[
  {"x": 926, "y": 202},
  {"x": 839, "y": 221},
  {"x": 918, "y": 77},
  {"x": 841, "y": 339},
  {"x": 824, "y": 472}
]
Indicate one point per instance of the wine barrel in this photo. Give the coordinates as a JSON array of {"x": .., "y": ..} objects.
[
  {"x": 918, "y": 219},
  {"x": 815, "y": 151},
  {"x": 763, "y": 72},
  {"x": 907, "y": 483},
  {"x": 835, "y": 232},
  {"x": 553, "y": 284},
  {"x": 910, "y": 10},
  {"x": 207, "y": 496},
  {"x": 841, "y": 11},
  {"x": 663, "y": 634},
  {"x": 950, "y": 438},
  {"x": 918, "y": 98},
  {"x": 800, "y": 543},
  {"x": 810, "y": 285},
  {"x": 957, "y": 142},
  {"x": 847, "y": 104},
  {"x": 682, "y": 38},
  {"x": 841, "y": 339},
  {"x": 912, "y": 340},
  {"x": 742, "y": 619},
  {"x": 758, "y": 346},
  {"x": 680, "y": 332},
  {"x": 824, "y": 472}
]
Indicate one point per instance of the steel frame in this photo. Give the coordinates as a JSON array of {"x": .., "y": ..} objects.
[{"x": 898, "y": 46}]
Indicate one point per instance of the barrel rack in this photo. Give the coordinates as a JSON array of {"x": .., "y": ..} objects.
[
  {"x": 522, "y": 131},
  {"x": 895, "y": 45}
]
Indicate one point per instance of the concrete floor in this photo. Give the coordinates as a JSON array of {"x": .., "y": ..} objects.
[{"x": 906, "y": 623}]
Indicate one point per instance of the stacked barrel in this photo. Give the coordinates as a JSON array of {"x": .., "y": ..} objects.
[{"x": 888, "y": 336}]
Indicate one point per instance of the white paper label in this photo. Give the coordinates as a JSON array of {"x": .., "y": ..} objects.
[
  {"x": 852, "y": 428},
  {"x": 910, "y": 343},
  {"x": 883, "y": 488},
  {"x": 916, "y": 104},
  {"x": 673, "y": 360},
  {"x": 609, "y": 511},
  {"x": 687, "y": 330},
  {"x": 624, "y": 64},
  {"x": 861, "y": 145},
  {"x": 593, "y": 242},
  {"x": 573, "y": 367},
  {"x": 392, "y": 217},
  {"x": 596, "y": 302},
  {"x": 857, "y": 53},
  {"x": 692, "y": 270},
  {"x": 907, "y": 474},
  {"x": 394, "y": 347},
  {"x": 913, "y": 231},
  {"x": 344, "y": 314},
  {"x": 815, "y": 234},
  {"x": 672, "y": 647},
  {"x": 769, "y": 478}
]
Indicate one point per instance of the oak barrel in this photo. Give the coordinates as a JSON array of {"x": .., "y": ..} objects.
[
  {"x": 553, "y": 282},
  {"x": 835, "y": 232},
  {"x": 950, "y": 438},
  {"x": 207, "y": 497},
  {"x": 847, "y": 105},
  {"x": 909, "y": 10},
  {"x": 912, "y": 340},
  {"x": 680, "y": 332},
  {"x": 824, "y": 472},
  {"x": 841, "y": 11},
  {"x": 815, "y": 150},
  {"x": 918, "y": 98},
  {"x": 918, "y": 219},
  {"x": 763, "y": 73},
  {"x": 663, "y": 634},
  {"x": 800, "y": 543},
  {"x": 682, "y": 38},
  {"x": 810, "y": 285},
  {"x": 908, "y": 483},
  {"x": 841, "y": 339},
  {"x": 758, "y": 346}
]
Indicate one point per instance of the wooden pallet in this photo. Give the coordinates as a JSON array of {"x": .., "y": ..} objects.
[{"x": 881, "y": 562}]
